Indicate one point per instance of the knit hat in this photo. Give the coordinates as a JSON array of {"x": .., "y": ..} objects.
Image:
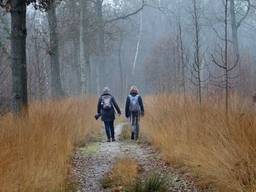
[
  {"x": 134, "y": 89},
  {"x": 106, "y": 90}
]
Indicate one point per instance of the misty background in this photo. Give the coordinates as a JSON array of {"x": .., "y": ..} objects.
[{"x": 170, "y": 46}]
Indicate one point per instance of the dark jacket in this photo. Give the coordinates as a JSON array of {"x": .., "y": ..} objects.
[
  {"x": 108, "y": 115},
  {"x": 127, "y": 105}
]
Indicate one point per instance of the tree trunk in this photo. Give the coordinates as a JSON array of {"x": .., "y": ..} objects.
[
  {"x": 183, "y": 75},
  {"x": 226, "y": 61},
  {"x": 18, "y": 54},
  {"x": 121, "y": 68},
  {"x": 56, "y": 87},
  {"x": 197, "y": 52},
  {"x": 84, "y": 50},
  {"x": 100, "y": 48},
  {"x": 76, "y": 65},
  {"x": 138, "y": 44},
  {"x": 234, "y": 28},
  {"x": 38, "y": 84},
  {"x": 236, "y": 53}
]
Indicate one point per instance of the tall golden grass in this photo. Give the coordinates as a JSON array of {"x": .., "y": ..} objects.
[
  {"x": 220, "y": 151},
  {"x": 35, "y": 151}
]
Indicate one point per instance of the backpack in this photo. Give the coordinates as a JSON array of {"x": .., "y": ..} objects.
[
  {"x": 134, "y": 103},
  {"x": 106, "y": 102}
]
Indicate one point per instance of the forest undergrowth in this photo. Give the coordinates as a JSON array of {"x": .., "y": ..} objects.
[
  {"x": 36, "y": 151},
  {"x": 219, "y": 151}
]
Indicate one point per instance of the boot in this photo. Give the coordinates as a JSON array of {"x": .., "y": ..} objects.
[{"x": 132, "y": 136}]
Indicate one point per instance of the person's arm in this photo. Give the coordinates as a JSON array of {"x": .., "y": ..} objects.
[
  {"x": 127, "y": 104},
  {"x": 116, "y": 106},
  {"x": 141, "y": 105},
  {"x": 99, "y": 106}
]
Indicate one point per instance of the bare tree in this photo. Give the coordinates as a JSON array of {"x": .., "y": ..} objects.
[
  {"x": 235, "y": 13},
  {"x": 197, "y": 64},
  {"x": 223, "y": 61},
  {"x": 238, "y": 13},
  {"x": 102, "y": 70}
]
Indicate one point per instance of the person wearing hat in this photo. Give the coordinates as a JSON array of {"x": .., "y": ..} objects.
[
  {"x": 133, "y": 110},
  {"x": 106, "y": 108}
]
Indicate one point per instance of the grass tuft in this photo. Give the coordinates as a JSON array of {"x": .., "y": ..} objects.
[
  {"x": 156, "y": 183},
  {"x": 122, "y": 175},
  {"x": 153, "y": 183}
]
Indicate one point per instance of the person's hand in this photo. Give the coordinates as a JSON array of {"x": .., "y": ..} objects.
[
  {"x": 142, "y": 113},
  {"x": 97, "y": 116}
]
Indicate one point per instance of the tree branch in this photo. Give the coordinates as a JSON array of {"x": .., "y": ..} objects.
[
  {"x": 245, "y": 15},
  {"x": 127, "y": 15},
  {"x": 216, "y": 63},
  {"x": 219, "y": 36}
]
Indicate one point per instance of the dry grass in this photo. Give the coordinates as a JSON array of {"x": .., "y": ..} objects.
[
  {"x": 122, "y": 175},
  {"x": 126, "y": 132},
  {"x": 221, "y": 152},
  {"x": 35, "y": 152}
]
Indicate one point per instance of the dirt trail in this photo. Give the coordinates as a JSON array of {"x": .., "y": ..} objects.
[{"x": 97, "y": 159}]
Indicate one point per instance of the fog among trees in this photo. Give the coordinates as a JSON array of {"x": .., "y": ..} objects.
[
  {"x": 187, "y": 66},
  {"x": 52, "y": 48}
]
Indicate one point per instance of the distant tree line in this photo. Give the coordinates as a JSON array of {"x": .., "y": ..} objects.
[{"x": 59, "y": 48}]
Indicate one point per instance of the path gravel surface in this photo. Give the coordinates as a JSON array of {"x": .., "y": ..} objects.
[{"x": 96, "y": 159}]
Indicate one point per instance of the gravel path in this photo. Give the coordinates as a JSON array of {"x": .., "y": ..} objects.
[{"x": 94, "y": 161}]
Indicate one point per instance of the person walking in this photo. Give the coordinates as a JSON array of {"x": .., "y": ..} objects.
[
  {"x": 106, "y": 109},
  {"x": 134, "y": 109}
]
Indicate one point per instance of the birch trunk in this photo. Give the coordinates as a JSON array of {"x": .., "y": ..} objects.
[{"x": 138, "y": 44}]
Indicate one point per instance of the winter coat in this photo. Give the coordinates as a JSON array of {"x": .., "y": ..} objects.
[
  {"x": 127, "y": 105},
  {"x": 108, "y": 114}
]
